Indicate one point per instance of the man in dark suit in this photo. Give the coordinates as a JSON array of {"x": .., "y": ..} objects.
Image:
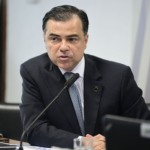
[{"x": 104, "y": 87}]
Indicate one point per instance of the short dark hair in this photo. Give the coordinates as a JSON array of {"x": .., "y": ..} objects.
[{"x": 64, "y": 13}]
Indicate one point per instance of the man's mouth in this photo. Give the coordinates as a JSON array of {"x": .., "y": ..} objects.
[{"x": 64, "y": 57}]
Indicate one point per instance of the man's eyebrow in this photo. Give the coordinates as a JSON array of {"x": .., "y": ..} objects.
[
  {"x": 52, "y": 34},
  {"x": 73, "y": 35}
]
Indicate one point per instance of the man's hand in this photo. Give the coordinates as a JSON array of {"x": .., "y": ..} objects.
[{"x": 98, "y": 141}]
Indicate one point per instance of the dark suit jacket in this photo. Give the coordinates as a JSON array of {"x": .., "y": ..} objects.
[{"x": 109, "y": 88}]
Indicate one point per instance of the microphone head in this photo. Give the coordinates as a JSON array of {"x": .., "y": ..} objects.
[{"x": 72, "y": 80}]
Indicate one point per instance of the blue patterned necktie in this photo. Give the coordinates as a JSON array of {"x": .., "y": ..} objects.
[{"x": 75, "y": 97}]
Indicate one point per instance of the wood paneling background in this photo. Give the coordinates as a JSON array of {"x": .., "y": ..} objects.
[{"x": 2, "y": 48}]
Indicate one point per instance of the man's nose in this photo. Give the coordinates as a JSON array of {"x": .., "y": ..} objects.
[{"x": 64, "y": 45}]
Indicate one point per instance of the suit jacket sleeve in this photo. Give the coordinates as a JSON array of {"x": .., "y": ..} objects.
[
  {"x": 132, "y": 103},
  {"x": 42, "y": 133}
]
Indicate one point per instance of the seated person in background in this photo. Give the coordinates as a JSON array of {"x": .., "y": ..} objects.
[{"x": 105, "y": 87}]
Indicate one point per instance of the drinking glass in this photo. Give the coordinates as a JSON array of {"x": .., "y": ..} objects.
[{"x": 83, "y": 144}]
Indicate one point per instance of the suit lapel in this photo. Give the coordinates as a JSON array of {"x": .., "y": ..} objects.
[
  {"x": 64, "y": 101},
  {"x": 92, "y": 94},
  {"x": 67, "y": 109}
]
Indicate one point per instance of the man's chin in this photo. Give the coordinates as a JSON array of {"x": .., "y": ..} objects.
[{"x": 65, "y": 67}]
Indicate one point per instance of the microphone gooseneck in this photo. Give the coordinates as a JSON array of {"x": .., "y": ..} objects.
[
  {"x": 72, "y": 80},
  {"x": 66, "y": 85}
]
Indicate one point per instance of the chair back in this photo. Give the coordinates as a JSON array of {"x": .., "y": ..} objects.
[{"x": 10, "y": 121}]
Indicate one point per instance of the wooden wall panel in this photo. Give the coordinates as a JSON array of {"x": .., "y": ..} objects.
[{"x": 2, "y": 48}]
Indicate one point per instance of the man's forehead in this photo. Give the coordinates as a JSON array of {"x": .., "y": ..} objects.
[{"x": 74, "y": 22}]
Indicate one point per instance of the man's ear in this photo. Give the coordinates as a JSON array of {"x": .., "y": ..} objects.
[
  {"x": 44, "y": 37},
  {"x": 86, "y": 40}
]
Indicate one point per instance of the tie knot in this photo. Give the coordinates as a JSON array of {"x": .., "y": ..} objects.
[{"x": 68, "y": 75}]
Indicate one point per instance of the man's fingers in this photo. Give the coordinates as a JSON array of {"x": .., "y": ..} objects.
[{"x": 98, "y": 141}]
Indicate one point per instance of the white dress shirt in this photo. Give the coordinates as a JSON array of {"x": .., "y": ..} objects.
[{"x": 79, "y": 82}]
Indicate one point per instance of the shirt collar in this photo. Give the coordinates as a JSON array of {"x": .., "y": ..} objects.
[{"x": 78, "y": 69}]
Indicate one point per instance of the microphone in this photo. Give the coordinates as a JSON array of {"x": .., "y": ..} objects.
[{"x": 66, "y": 85}]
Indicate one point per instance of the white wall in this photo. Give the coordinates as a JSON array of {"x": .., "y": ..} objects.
[{"x": 113, "y": 33}]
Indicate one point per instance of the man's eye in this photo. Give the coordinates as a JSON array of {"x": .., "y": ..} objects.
[
  {"x": 73, "y": 39},
  {"x": 54, "y": 39}
]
